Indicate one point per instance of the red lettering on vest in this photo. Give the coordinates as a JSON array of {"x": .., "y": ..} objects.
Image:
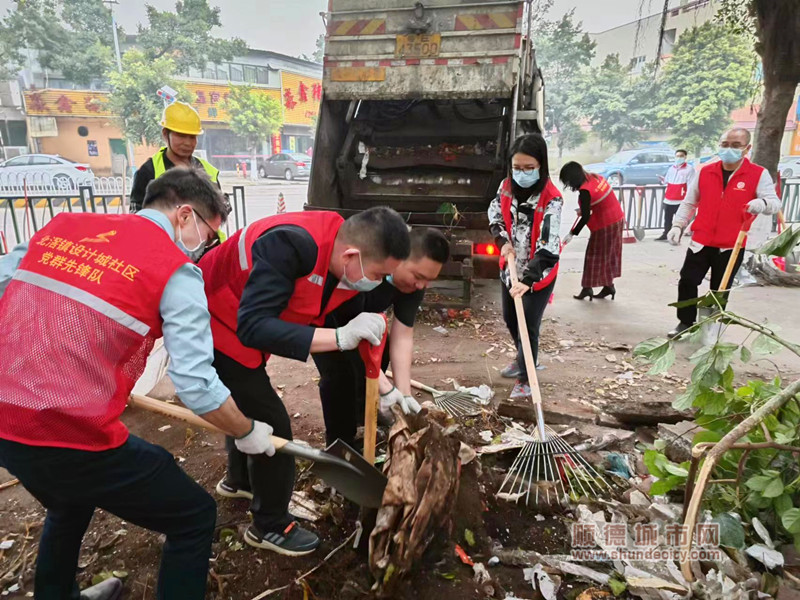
[
  {"x": 79, "y": 320},
  {"x": 227, "y": 268},
  {"x": 721, "y": 212},
  {"x": 549, "y": 192},
  {"x": 606, "y": 209}
]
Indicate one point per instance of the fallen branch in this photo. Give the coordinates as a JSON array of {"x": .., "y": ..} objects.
[
  {"x": 263, "y": 595},
  {"x": 725, "y": 444},
  {"x": 8, "y": 484}
]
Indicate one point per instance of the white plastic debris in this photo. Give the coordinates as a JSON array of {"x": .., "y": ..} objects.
[
  {"x": 493, "y": 562},
  {"x": 538, "y": 578},
  {"x": 6, "y": 544},
  {"x": 481, "y": 575},
  {"x": 441, "y": 330},
  {"x": 769, "y": 557},
  {"x": 164, "y": 427},
  {"x": 482, "y": 392}
]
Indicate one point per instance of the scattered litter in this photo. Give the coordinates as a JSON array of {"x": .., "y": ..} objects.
[
  {"x": 304, "y": 507},
  {"x": 769, "y": 557},
  {"x": 540, "y": 518},
  {"x": 487, "y": 436},
  {"x": 469, "y": 537},
  {"x": 493, "y": 562},
  {"x": 295, "y": 415},
  {"x": 593, "y": 594},
  {"x": 13, "y": 588},
  {"x": 542, "y": 581},
  {"x": 6, "y": 544},
  {"x": 598, "y": 443},
  {"x": 577, "y": 570},
  {"x": 164, "y": 427},
  {"x": 761, "y": 531},
  {"x": 639, "y": 499},
  {"x": 611, "y": 358},
  {"x": 510, "y": 497},
  {"x": 566, "y": 343},
  {"x": 618, "y": 465},
  {"x": 481, "y": 575},
  {"x": 466, "y": 454},
  {"x": 463, "y": 556},
  {"x": 482, "y": 394},
  {"x": 441, "y": 330}
]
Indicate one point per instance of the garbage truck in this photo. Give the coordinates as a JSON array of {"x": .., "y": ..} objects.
[{"x": 420, "y": 103}]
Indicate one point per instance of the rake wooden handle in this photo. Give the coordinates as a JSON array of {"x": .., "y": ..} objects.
[
  {"x": 527, "y": 351},
  {"x": 737, "y": 248},
  {"x": 416, "y": 384},
  {"x": 184, "y": 414}
]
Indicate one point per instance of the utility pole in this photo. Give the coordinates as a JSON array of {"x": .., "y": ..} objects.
[{"x": 111, "y": 4}]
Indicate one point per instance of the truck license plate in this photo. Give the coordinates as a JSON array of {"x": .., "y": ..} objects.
[{"x": 418, "y": 45}]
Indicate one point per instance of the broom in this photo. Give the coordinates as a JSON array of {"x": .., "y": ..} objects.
[{"x": 548, "y": 463}]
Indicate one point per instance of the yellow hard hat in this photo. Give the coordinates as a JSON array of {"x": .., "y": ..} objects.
[{"x": 181, "y": 118}]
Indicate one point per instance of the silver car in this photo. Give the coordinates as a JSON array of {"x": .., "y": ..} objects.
[
  {"x": 289, "y": 165},
  {"x": 44, "y": 169},
  {"x": 789, "y": 167}
]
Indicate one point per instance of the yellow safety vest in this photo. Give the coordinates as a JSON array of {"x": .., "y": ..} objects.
[{"x": 159, "y": 168}]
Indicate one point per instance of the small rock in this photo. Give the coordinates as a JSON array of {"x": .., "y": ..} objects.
[
  {"x": 566, "y": 343},
  {"x": 441, "y": 330},
  {"x": 639, "y": 499},
  {"x": 611, "y": 358},
  {"x": 295, "y": 415}
]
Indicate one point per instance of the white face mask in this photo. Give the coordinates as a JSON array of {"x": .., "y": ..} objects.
[
  {"x": 362, "y": 285},
  {"x": 195, "y": 253}
]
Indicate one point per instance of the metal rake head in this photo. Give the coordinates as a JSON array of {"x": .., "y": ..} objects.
[
  {"x": 554, "y": 470},
  {"x": 458, "y": 404}
]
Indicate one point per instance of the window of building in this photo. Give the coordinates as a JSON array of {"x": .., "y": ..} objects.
[
  {"x": 210, "y": 72},
  {"x": 237, "y": 72},
  {"x": 195, "y": 73},
  {"x": 637, "y": 63},
  {"x": 263, "y": 75},
  {"x": 250, "y": 74},
  {"x": 668, "y": 42},
  {"x": 222, "y": 73}
]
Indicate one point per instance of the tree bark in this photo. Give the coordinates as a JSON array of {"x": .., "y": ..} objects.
[{"x": 777, "y": 27}]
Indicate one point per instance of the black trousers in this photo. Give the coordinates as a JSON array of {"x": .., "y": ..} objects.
[
  {"x": 533, "y": 304},
  {"x": 342, "y": 391},
  {"x": 271, "y": 479},
  {"x": 669, "y": 214},
  {"x": 694, "y": 270},
  {"x": 138, "y": 482}
]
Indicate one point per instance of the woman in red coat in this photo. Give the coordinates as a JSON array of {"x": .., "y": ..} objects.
[{"x": 601, "y": 211}]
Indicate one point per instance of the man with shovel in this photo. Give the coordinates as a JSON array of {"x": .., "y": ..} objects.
[
  {"x": 341, "y": 385},
  {"x": 269, "y": 289},
  {"x": 720, "y": 195},
  {"x": 80, "y": 308}
]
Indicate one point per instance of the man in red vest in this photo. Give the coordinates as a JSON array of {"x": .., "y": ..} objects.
[
  {"x": 677, "y": 181},
  {"x": 269, "y": 289},
  {"x": 104, "y": 288},
  {"x": 721, "y": 195}
]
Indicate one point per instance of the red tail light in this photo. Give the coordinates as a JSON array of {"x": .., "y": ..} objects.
[
  {"x": 485, "y": 249},
  {"x": 81, "y": 168},
  {"x": 300, "y": 164}
]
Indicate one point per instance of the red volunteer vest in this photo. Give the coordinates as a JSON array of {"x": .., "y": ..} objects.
[
  {"x": 606, "y": 209},
  {"x": 78, "y": 321},
  {"x": 675, "y": 190},
  {"x": 549, "y": 192},
  {"x": 227, "y": 268},
  {"x": 720, "y": 213}
]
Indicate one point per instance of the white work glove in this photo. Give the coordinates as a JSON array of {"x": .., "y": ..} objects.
[
  {"x": 257, "y": 441},
  {"x": 757, "y": 206},
  {"x": 395, "y": 396},
  {"x": 366, "y": 326},
  {"x": 568, "y": 238},
  {"x": 674, "y": 235}
]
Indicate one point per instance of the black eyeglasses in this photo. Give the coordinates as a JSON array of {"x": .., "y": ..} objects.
[{"x": 210, "y": 243}]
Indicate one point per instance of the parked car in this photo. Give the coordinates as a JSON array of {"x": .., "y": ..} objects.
[
  {"x": 789, "y": 167},
  {"x": 288, "y": 165},
  {"x": 45, "y": 168},
  {"x": 636, "y": 167}
]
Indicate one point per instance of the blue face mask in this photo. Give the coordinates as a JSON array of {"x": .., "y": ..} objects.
[
  {"x": 679, "y": 161},
  {"x": 362, "y": 285},
  {"x": 730, "y": 155},
  {"x": 523, "y": 179},
  {"x": 390, "y": 279}
]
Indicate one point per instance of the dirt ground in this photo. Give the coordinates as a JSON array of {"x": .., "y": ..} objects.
[{"x": 585, "y": 380}]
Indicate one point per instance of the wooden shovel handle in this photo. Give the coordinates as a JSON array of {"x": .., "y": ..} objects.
[
  {"x": 371, "y": 419},
  {"x": 737, "y": 248},
  {"x": 184, "y": 414},
  {"x": 527, "y": 351}
]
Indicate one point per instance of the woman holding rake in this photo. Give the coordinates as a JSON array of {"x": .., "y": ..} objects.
[{"x": 525, "y": 219}]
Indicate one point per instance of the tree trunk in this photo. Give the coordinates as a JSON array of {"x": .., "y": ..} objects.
[
  {"x": 253, "y": 165},
  {"x": 777, "y": 26}
]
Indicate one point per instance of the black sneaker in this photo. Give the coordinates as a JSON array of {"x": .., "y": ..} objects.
[
  {"x": 292, "y": 541},
  {"x": 511, "y": 371},
  {"x": 110, "y": 589},
  {"x": 662, "y": 238},
  {"x": 681, "y": 327},
  {"x": 226, "y": 490}
]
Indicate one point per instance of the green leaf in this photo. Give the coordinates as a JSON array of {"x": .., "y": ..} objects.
[
  {"x": 783, "y": 244},
  {"x": 782, "y": 504},
  {"x": 469, "y": 537},
  {"x": 617, "y": 586},
  {"x": 705, "y": 301},
  {"x": 662, "y": 486},
  {"x": 686, "y": 399},
  {"x": 758, "y": 483},
  {"x": 119, "y": 574},
  {"x": 101, "y": 577},
  {"x": 226, "y": 534},
  {"x": 774, "y": 489},
  {"x": 765, "y": 345},
  {"x": 659, "y": 444},
  {"x": 646, "y": 348},
  {"x": 731, "y": 531},
  {"x": 674, "y": 469},
  {"x": 711, "y": 403},
  {"x": 791, "y": 520},
  {"x": 745, "y": 355},
  {"x": 655, "y": 461},
  {"x": 663, "y": 362},
  {"x": 706, "y": 436},
  {"x": 448, "y": 576}
]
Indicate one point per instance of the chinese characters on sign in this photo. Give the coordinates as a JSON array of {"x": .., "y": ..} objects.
[
  {"x": 83, "y": 261},
  {"x": 91, "y": 146},
  {"x": 290, "y": 101}
]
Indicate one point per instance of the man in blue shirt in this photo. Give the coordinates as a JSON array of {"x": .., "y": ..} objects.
[{"x": 133, "y": 479}]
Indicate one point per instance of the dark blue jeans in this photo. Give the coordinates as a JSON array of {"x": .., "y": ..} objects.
[{"x": 138, "y": 482}]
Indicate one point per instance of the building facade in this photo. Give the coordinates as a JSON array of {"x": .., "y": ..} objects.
[{"x": 62, "y": 119}]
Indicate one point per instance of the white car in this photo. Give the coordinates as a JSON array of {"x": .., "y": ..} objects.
[
  {"x": 44, "y": 169},
  {"x": 789, "y": 167}
]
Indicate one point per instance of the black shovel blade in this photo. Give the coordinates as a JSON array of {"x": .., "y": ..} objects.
[{"x": 363, "y": 484}]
